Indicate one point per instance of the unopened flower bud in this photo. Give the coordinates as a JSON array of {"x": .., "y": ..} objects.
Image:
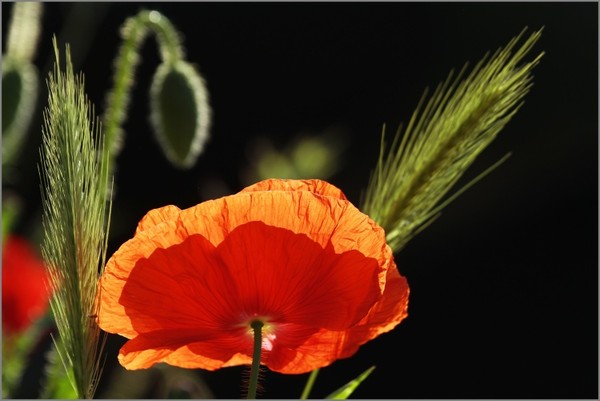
[{"x": 180, "y": 113}]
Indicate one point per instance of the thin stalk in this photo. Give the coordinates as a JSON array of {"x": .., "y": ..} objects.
[
  {"x": 309, "y": 384},
  {"x": 257, "y": 328}
]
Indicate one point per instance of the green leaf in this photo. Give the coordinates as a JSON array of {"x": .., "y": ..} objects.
[
  {"x": 345, "y": 391},
  {"x": 180, "y": 114}
]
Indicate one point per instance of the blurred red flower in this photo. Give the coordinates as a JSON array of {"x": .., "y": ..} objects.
[
  {"x": 296, "y": 255},
  {"x": 25, "y": 296}
]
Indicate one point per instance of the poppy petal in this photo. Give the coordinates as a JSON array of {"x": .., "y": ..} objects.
[
  {"x": 321, "y": 349},
  {"x": 311, "y": 286},
  {"x": 157, "y": 216},
  {"x": 315, "y": 186},
  {"x": 323, "y": 219},
  {"x": 328, "y": 346},
  {"x": 386, "y": 314},
  {"x": 295, "y": 254},
  {"x": 140, "y": 296},
  {"x": 317, "y": 288},
  {"x": 189, "y": 348}
]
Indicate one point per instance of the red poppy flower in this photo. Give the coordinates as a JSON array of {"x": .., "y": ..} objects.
[
  {"x": 296, "y": 255},
  {"x": 24, "y": 279}
]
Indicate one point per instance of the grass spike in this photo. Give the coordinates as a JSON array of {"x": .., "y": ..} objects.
[
  {"x": 445, "y": 134},
  {"x": 73, "y": 176}
]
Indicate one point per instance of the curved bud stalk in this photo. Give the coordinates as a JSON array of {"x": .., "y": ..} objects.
[
  {"x": 180, "y": 114},
  {"x": 442, "y": 140},
  {"x": 134, "y": 31}
]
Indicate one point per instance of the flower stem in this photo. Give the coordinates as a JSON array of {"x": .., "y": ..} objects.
[
  {"x": 309, "y": 384},
  {"x": 257, "y": 327}
]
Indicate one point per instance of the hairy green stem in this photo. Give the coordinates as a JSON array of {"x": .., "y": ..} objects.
[
  {"x": 257, "y": 328},
  {"x": 134, "y": 31}
]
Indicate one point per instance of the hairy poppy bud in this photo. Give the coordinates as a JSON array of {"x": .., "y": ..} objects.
[
  {"x": 19, "y": 96},
  {"x": 180, "y": 113}
]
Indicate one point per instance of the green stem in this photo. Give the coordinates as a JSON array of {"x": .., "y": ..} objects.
[
  {"x": 309, "y": 384},
  {"x": 11, "y": 209},
  {"x": 24, "y": 31},
  {"x": 257, "y": 327}
]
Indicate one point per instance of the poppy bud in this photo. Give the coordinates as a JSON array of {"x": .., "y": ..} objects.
[
  {"x": 180, "y": 113},
  {"x": 19, "y": 95}
]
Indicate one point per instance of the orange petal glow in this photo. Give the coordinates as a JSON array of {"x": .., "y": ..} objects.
[{"x": 294, "y": 254}]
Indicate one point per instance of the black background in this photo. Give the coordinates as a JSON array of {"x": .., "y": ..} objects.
[{"x": 504, "y": 286}]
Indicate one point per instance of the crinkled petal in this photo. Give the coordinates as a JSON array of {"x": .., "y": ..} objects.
[
  {"x": 291, "y": 279},
  {"x": 318, "y": 187},
  {"x": 325, "y": 220},
  {"x": 157, "y": 216},
  {"x": 326, "y": 346},
  {"x": 386, "y": 314},
  {"x": 218, "y": 289},
  {"x": 186, "y": 348},
  {"x": 320, "y": 349},
  {"x": 179, "y": 286},
  {"x": 296, "y": 254}
]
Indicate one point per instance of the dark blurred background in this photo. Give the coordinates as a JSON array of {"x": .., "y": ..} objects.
[{"x": 504, "y": 285}]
